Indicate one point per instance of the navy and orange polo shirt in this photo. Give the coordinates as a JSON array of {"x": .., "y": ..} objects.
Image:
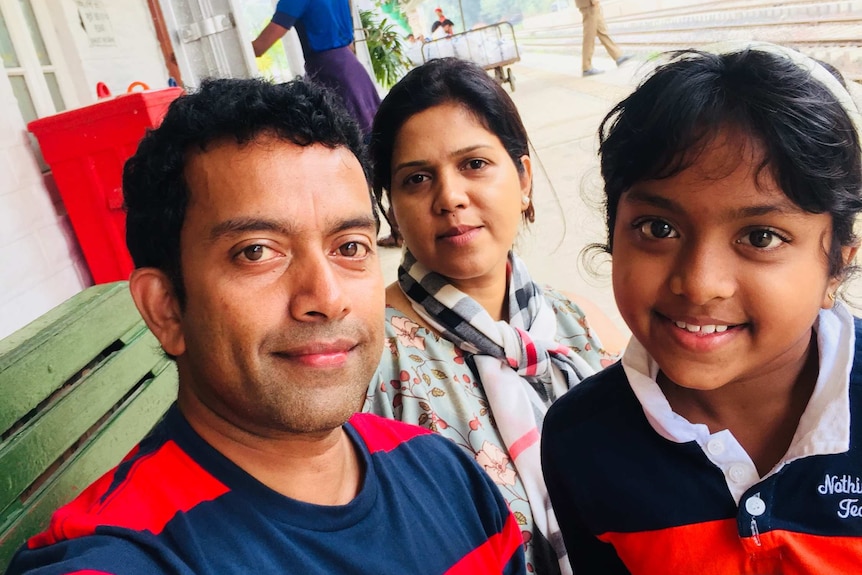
[{"x": 639, "y": 489}]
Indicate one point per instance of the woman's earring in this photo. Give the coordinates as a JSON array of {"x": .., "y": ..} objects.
[
  {"x": 525, "y": 199},
  {"x": 831, "y": 295}
]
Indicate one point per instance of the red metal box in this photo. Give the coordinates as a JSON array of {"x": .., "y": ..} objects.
[{"x": 86, "y": 149}]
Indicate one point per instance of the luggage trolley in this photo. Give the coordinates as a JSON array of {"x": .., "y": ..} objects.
[{"x": 493, "y": 47}]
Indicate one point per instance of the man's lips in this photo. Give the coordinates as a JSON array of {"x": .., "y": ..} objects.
[{"x": 320, "y": 354}]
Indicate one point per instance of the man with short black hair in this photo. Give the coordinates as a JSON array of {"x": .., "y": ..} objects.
[{"x": 252, "y": 229}]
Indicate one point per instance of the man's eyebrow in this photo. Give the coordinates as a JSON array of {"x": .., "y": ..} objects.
[
  {"x": 242, "y": 225},
  {"x": 358, "y": 223}
]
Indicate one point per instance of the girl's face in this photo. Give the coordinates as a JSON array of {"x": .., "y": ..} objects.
[
  {"x": 457, "y": 195},
  {"x": 721, "y": 279}
]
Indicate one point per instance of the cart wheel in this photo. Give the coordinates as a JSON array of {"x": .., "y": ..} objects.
[{"x": 510, "y": 78}]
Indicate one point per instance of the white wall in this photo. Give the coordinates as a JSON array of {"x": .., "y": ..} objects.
[
  {"x": 136, "y": 56},
  {"x": 40, "y": 262}
]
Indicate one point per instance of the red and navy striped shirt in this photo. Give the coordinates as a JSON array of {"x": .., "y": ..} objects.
[{"x": 176, "y": 505}]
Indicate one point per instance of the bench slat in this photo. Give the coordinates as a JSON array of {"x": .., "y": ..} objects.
[
  {"x": 38, "y": 359},
  {"x": 116, "y": 438},
  {"x": 33, "y": 449}
]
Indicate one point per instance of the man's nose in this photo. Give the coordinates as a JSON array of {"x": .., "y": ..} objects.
[{"x": 317, "y": 291}]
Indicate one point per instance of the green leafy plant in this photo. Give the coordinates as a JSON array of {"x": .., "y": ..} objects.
[{"x": 388, "y": 59}]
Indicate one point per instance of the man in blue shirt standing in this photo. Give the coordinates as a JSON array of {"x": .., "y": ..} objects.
[{"x": 325, "y": 29}]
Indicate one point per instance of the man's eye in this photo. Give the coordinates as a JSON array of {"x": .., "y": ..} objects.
[
  {"x": 657, "y": 229},
  {"x": 762, "y": 239},
  {"x": 257, "y": 252},
  {"x": 353, "y": 250}
]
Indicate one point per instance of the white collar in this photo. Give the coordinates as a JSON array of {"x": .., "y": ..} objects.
[{"x": 824, "y": 427}]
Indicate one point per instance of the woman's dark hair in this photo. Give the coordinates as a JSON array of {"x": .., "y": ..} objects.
[
  {"x": 154, "y": 185},
  {"x": 810, "y": 145},
  {"x": 441, "y": 81}
]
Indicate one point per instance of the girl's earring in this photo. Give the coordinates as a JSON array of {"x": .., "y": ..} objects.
[
  {"x": 525, "y": 199},
  {"x": 831, "y": 295}
]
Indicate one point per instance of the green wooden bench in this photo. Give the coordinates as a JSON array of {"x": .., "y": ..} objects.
[{"x": 79, "y": 387}]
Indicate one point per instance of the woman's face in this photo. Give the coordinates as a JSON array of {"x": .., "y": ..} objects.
[{"x": 457, "y": 196}]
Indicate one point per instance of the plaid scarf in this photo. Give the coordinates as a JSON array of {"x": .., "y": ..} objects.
[{"x": 521, "y": 367}]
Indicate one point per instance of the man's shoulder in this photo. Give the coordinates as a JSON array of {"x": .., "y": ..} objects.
[
  {"x": 143, "y": 493},
  {"x": 406, "y": 446},
  {"x": 381, "y": 434}
]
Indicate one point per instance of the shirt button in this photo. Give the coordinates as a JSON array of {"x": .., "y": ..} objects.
[
  {"x": 737, "y": 473},
  {"x": 715, "y": 446},
  {"x": 755, "y": 505}
]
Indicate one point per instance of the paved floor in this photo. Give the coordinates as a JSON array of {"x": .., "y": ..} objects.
[{"x": 562, "y": 112}]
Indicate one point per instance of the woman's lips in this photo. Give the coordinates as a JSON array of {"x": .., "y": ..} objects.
[{"x": 460, "y": 235}]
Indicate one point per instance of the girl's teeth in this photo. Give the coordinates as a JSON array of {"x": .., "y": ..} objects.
[{"x": 706, "y": 329}]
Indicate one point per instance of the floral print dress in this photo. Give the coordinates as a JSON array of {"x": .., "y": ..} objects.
[{"x": 425, "y": 380}]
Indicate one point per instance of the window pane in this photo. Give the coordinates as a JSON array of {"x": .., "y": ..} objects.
[
  {"x": 54, "y": 88},
  {"x": 33, "y": 26},
  {"x": 10, "y": 59},
  {"x": 22, "y": 94}
]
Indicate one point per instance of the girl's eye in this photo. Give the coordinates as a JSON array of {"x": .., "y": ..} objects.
[
  {"x": 476, "y": 164},
  {"x": 257, "y": 253},
  {"x": 415, "y": 179},
  {"x": 353, "y": 250},
  {"x": 657, "y": 229},
  {"x": 762, "y": 239}
]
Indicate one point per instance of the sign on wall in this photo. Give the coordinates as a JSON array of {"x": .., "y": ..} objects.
[{"x": 97, "y": 22}]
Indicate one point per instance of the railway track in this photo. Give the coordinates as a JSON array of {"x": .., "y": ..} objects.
[{"x": 827, "y": 30}]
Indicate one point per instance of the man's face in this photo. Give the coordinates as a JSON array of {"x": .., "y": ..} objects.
[
  {"x": 283, "y": 323},
  {"x": 448, "y": 28}
]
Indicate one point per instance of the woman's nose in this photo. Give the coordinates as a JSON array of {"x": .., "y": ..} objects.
[{"x": 452, "y": 193}]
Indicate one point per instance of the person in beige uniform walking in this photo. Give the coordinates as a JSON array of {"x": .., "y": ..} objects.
[{"x": 594, "y": 25}]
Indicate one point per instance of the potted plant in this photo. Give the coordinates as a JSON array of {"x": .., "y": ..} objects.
[{"x": 388, "y": 58}]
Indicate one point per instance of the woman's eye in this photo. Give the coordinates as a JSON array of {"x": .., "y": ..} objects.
[
  {"x": 476, "y": 164},
  {"x": 257, "y": 252},
  {"x": 762, "y": 239},
  {"x": 353, "y": 250},
  {"x": 657, "y": 229}
]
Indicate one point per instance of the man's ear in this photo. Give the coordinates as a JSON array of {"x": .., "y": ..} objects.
[{"x": 155, "y": 299}]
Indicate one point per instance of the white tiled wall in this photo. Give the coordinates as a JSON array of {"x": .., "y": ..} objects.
[{"x": 41, "y": 264}]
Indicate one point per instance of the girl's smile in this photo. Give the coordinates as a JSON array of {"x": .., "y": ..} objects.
[{"x": 703, "y": 335}]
